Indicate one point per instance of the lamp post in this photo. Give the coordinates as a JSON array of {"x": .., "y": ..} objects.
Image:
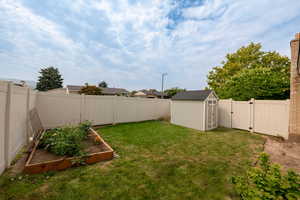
[{"x": 162, "y": 84}]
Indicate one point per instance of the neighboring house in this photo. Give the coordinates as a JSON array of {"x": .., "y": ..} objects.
[
  {"x": 74, "y": 89},
  {"x": 114, "y": 91},
  {"x": 21, "y": 83},
  {"x": 152, "y": 93}
]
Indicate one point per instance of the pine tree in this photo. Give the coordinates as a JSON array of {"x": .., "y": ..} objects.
[{"x": 50, "y": 78}]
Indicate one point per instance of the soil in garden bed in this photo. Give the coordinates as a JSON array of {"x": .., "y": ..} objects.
[{"x": 89, "y": 145}]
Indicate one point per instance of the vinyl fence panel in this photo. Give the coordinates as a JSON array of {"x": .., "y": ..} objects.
[
  {"x": 61, "y": 109},
  {"x": 18, "y": 120},
  {"x": 271, "y": 117},
  {"x": 14, "y": 126},
  {"x": 98, "y": 109}
]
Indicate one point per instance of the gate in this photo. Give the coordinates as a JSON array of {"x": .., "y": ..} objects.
[
  {"x": 241, "y": 115},
  {"x": 262, "y": 116}
]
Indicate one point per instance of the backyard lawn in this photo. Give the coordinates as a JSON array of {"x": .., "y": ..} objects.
[{"x": 156, "y": 160}]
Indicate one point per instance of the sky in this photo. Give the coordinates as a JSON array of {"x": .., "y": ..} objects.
[{"x": 130, "y": 43}]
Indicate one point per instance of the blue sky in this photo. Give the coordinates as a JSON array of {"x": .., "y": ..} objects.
[{"x": 129, "y": 43}]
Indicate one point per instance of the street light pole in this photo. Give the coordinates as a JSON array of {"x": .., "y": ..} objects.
[{"x": 162, "y": 84}]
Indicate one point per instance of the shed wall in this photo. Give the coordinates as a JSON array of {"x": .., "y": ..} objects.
[{"x": 188, "y": 114}]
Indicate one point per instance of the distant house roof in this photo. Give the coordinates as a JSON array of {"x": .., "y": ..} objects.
[
  {"x": 151, "y": 92},
  {"x": 108, "y": 91},
  {"x": 74, "y": 87},
  {"x": 193, "y": 95},
  {"x": 113, "y": 91}
]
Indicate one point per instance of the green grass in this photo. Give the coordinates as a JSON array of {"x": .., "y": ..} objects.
[{"x": 157, "y": 161}]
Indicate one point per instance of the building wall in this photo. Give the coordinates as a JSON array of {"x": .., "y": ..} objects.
[
  {"x": 294, "y": 124},
  {"x": 188, "y": 113}
]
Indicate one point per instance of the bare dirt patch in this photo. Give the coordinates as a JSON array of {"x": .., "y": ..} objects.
[{"x": 285, "y": 153}]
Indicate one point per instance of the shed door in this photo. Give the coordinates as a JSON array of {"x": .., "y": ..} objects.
[{"x": 211, "y": 114}]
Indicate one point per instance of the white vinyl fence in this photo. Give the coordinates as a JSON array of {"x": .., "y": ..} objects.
[
  {"x": 59, "y": 109},
  {"x": 269, "y": 117},
  {"x": 15, "y": 103}
]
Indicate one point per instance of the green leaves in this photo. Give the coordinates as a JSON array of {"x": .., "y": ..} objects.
[
  {"x": 267, "y": 182},
  {"x": 50, "y": 78},
  {"x": 66, "y": 140},
  {"x": 252, "y": 73}
]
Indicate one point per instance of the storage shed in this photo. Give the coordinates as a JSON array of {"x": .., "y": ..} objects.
[{"x": 197, "y": 109}]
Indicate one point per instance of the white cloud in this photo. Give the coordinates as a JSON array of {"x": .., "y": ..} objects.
[
  {"x": 128, "y": 44},
  {"x": 209, "y": 9}
]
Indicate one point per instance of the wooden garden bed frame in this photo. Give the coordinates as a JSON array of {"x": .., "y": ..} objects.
[{"x": 67, "y": 162}]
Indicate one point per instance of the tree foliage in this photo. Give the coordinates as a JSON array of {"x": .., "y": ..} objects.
[
  {"x": 172, "y": 91},
  {"x": 90, "y": 90},
  {"x": 50, "y": 78},
  {"x": 252, "y": 73},
  {"x": 103, "y": 84}
]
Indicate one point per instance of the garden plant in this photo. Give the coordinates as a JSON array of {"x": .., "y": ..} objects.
[{"x": 65, "y": 141}]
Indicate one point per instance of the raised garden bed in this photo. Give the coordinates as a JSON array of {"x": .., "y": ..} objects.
[{"x": 95, "y": 150}]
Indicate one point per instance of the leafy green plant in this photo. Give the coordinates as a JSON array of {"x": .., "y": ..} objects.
[
  {"x": 66, "y": 140},
  {"x": 267, "y": 182}
]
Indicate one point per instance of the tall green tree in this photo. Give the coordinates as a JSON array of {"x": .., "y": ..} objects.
[
  {"x": 172, "y": 91},
  {"x": 251, "y": 73},
  {"x": 49, "y": 78},
  {"x": 103, "y": 84}
]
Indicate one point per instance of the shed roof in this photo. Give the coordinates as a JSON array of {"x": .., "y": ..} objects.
[{"x": 194, "y": 95}]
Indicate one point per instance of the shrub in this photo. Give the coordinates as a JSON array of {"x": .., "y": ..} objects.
[
  {"x": 267, "y": 182},
  {"x": 66, "y": 140}
]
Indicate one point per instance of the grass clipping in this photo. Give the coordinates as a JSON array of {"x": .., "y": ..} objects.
[{"x": 65, "y": 141}]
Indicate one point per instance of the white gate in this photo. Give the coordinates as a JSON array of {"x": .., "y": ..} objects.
[
  {"x": 262, "y": 116},
  {"x": 241, "y": 115}
]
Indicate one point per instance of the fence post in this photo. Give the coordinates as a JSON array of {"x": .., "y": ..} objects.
[
  {"x": 252, "y": 110},
  {"x": 136, "y": 109},
  {"x": 114, "y": 110},
  {"x": 7, "y": 124},
  {"x": 82, "y": 102},
  {"x": 27, "y": 115},
  {"x": 231, "y": 113}
]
